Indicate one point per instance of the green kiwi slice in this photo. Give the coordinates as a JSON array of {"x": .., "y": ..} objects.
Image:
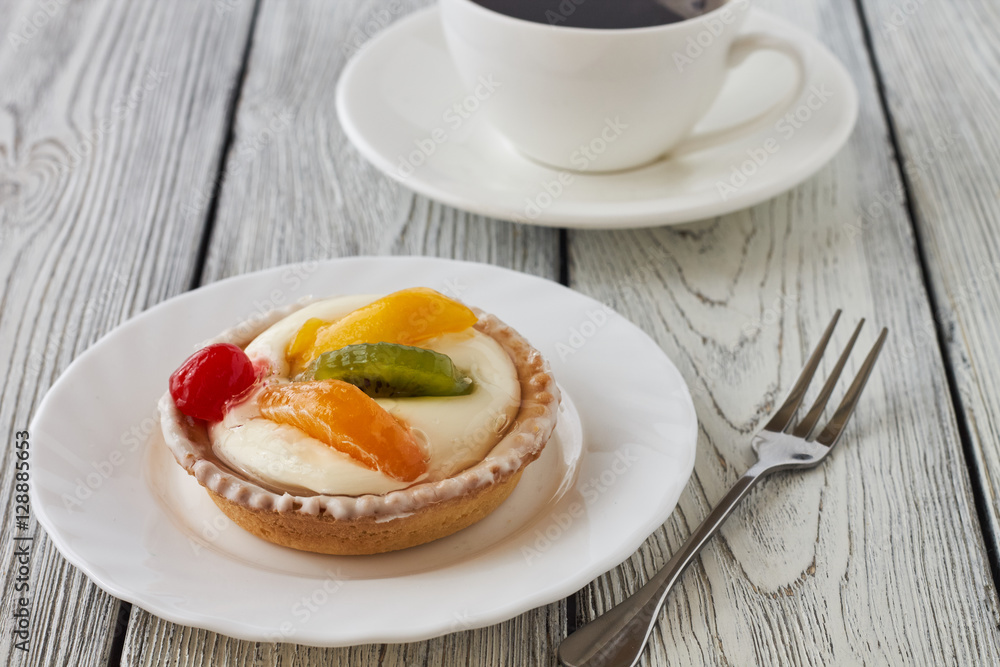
[{"x": 388, "y": 370}]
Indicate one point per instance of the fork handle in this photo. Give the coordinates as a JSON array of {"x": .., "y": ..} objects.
[{"x": 617, "y": 637}]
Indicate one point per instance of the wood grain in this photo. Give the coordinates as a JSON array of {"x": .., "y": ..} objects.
[
  {"x": 875, "y": 558},
  {"x": 939, "y": 65},
  {"x": 106, "y": 127},
  {"x": 295, "y": 190}
]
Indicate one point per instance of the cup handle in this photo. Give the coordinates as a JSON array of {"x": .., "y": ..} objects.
[{"x": 741, "y": 48}]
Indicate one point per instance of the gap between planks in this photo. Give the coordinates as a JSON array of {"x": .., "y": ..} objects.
[
  {"x": 979, "y": 494},
  {"x": 124, "y": 614}
]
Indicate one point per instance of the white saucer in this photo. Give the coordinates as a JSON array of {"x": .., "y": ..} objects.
[
  {"x": 117, "y": 506},
  {"x": 395, "y": 96}
]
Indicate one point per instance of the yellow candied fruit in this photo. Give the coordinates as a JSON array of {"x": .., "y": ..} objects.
[{"x": 305, "y": 338}]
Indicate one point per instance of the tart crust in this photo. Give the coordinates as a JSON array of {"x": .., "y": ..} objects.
[{"x": 369, "y": 524}]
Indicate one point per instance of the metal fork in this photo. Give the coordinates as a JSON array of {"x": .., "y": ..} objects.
[{"x": 617, "y": 638}]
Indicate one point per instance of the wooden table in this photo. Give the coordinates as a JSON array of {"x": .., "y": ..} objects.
[{"x": 150, "y": 147}]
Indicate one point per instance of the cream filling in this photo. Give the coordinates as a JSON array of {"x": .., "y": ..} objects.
[{"x": 455, "y": 431}]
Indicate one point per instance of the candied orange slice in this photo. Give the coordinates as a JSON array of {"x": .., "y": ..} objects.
[
  {"x": 345, "y": 418},
  {"x": 406, "y": 317}
]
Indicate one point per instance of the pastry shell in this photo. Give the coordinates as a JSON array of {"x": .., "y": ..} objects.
[{"x": 368, "y": 524}]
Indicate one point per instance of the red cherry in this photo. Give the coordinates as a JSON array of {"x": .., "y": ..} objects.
[{"x": 205, "y": 384}]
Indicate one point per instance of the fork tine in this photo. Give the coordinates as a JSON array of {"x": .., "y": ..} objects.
[
  {"x": 832, "y": 432},
  {"x": 784, "y": 415},
  {"x": 805, "y": 427}
]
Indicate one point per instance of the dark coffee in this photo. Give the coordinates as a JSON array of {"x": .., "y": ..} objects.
[{"x": 602, "y": 14}]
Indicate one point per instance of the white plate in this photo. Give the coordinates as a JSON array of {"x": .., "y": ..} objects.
[
  {"x": 147, "y": 533},
  {"x": 395, "y": 96}
]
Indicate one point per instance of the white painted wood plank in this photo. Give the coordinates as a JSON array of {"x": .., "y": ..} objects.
[
  {"x": 939, "y": 62},
  {"x": 877, "y": 557},
  {"x": 295, "y": 190},
  {"x": 106, "y": 126}
]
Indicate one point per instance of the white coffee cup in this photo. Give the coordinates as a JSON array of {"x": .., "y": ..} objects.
[{"x": 586, "y": 99}]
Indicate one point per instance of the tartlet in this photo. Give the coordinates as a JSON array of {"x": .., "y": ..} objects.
[{"x": 374, "y": 523}]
